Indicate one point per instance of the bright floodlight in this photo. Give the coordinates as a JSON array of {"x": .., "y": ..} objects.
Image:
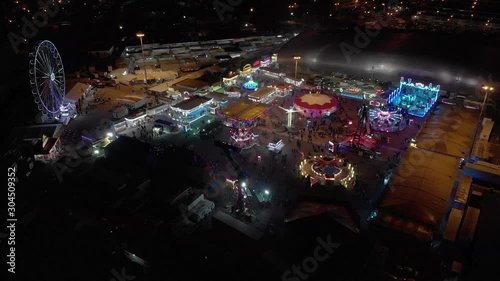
[
  {"x": 140, "y": 34},
  {"x": 266, "y": 191},
  {"x": 297, "y": 57},
  {"x": 243, "y": 184},
  {"x": 96, "y": 151},
  {"x": 488, "y": 88},
  {"x": 110, "y": 135}
]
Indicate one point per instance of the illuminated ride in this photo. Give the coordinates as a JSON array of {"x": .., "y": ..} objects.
[
  {"x": 387, "y": 118},
  {"x": 243, "y": 138},
  {"x": 315, "y": 104},
  {"x": 328, "y": 170},
  {"x": 416, "y": 98},
  {"x": 250, "y": 85},
  {"x": 276, "y": 145},
  {"x": 48, "y": 84},
  {"x": 362, "y": 140}
]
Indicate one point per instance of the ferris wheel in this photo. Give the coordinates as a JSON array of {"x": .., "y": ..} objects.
[{"x": 48, "y": 84}]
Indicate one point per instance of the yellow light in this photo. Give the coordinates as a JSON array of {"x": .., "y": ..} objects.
[{"x": 140, "y": 34}]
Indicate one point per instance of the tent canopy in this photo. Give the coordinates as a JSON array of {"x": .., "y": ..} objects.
[
  {"x": 449, "y": 129},
  {"x": 338, "y": 213},
  {"x": 421, "y": 186},
  {"x": 76, "y": 92}
]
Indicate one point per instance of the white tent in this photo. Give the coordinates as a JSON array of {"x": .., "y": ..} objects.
[{"x": 76, "y": 92}]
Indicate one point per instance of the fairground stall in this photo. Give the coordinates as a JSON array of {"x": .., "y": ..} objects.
[
  {"x": 416, "y": 98},
  {"x": 189, "y": 110},
  {"x": 242, "y": 114},
  {"x": 316, "y": 105},
  {"x": 328, "y": 170},
  {"x": 74, "y": 98},
  {"x": 232, "y": 92},
  {"x": 262, "y": 95},
  {"x": 276, "y": 145},
  {"x": 271, "y": 73},
  {"x": 351, "y": 91},
  {"x": 388, "y": 118},
  {"x": 282, "y": 89},
  {"x": 136, "y": 119}
]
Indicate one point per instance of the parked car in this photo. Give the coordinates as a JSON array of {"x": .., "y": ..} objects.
[{"x": 97, "y": 83}]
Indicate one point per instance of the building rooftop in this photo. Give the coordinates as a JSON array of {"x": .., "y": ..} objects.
[
  {"x": 420, "y": 188},
  {"x": 486, "y": 243},
  {"x": 449, "y": 130},
  {"x": 245, "y": 110},
  {"x": 238, "y": 225},
  {"x": 191, "y": 103},
  {"x": 76, "y": 91},
  {"x": 261, "y": 93},
  {"x": 192, "y": 84},
  {"x": 216, "y": 96}
]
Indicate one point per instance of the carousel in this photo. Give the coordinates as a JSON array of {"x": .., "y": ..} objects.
[
  {"x": 387, "y": 118},
  {"x": 316, "y": 104},
  {"x": 243, "y": 138},
  {"x": 328, "y": 170},
  {"x": 250, "y": 85}
]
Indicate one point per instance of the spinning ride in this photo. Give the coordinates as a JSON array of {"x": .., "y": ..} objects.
[
  {"x": 331, "y": 169},
  {"x": 387, "y": 119},
  {"x": 48, "y": 84},
  {"x": 243, "y": 138},
  {"x": 250, "y": 85}
]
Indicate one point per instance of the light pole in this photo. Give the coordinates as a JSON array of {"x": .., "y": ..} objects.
[
  {"x": 486, "y": 89},
  {"x": 140, "y": 35},
  {"x": 290, "y": 115},
  {"x": 296, "y": 58}
]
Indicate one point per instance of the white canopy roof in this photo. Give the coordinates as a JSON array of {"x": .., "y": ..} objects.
[{"x": 76, "y": 92}]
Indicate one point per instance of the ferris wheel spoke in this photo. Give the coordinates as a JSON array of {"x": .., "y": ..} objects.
[
  {"x": 42, "y": 71},
  {"x": 47, "y": 62},
  {"x": 44, "y": 61},
  {"x": 41, "y": 66},
  {"x": 59, "y": 70}
]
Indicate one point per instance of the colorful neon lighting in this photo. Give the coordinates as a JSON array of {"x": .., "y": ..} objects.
[
  {"x": 416, "y": 98},
  {"x": 250, "y": 85}
]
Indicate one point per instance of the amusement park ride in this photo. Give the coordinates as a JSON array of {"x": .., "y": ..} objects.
[
  {"x": 240, "y": 183},
  {"x": 48, "y": 84},
  {"x": 363, "y": 126}
]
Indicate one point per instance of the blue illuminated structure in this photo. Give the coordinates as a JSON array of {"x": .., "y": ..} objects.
[
  {"x": 416, "y": 98},
  {"x": 250, "y": 85}
]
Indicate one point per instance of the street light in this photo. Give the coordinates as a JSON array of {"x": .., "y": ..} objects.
[
  {"x": 486, "y": 89},
  {"x": 296, "y": 58},
  {"x": 140, "y": 35}
]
